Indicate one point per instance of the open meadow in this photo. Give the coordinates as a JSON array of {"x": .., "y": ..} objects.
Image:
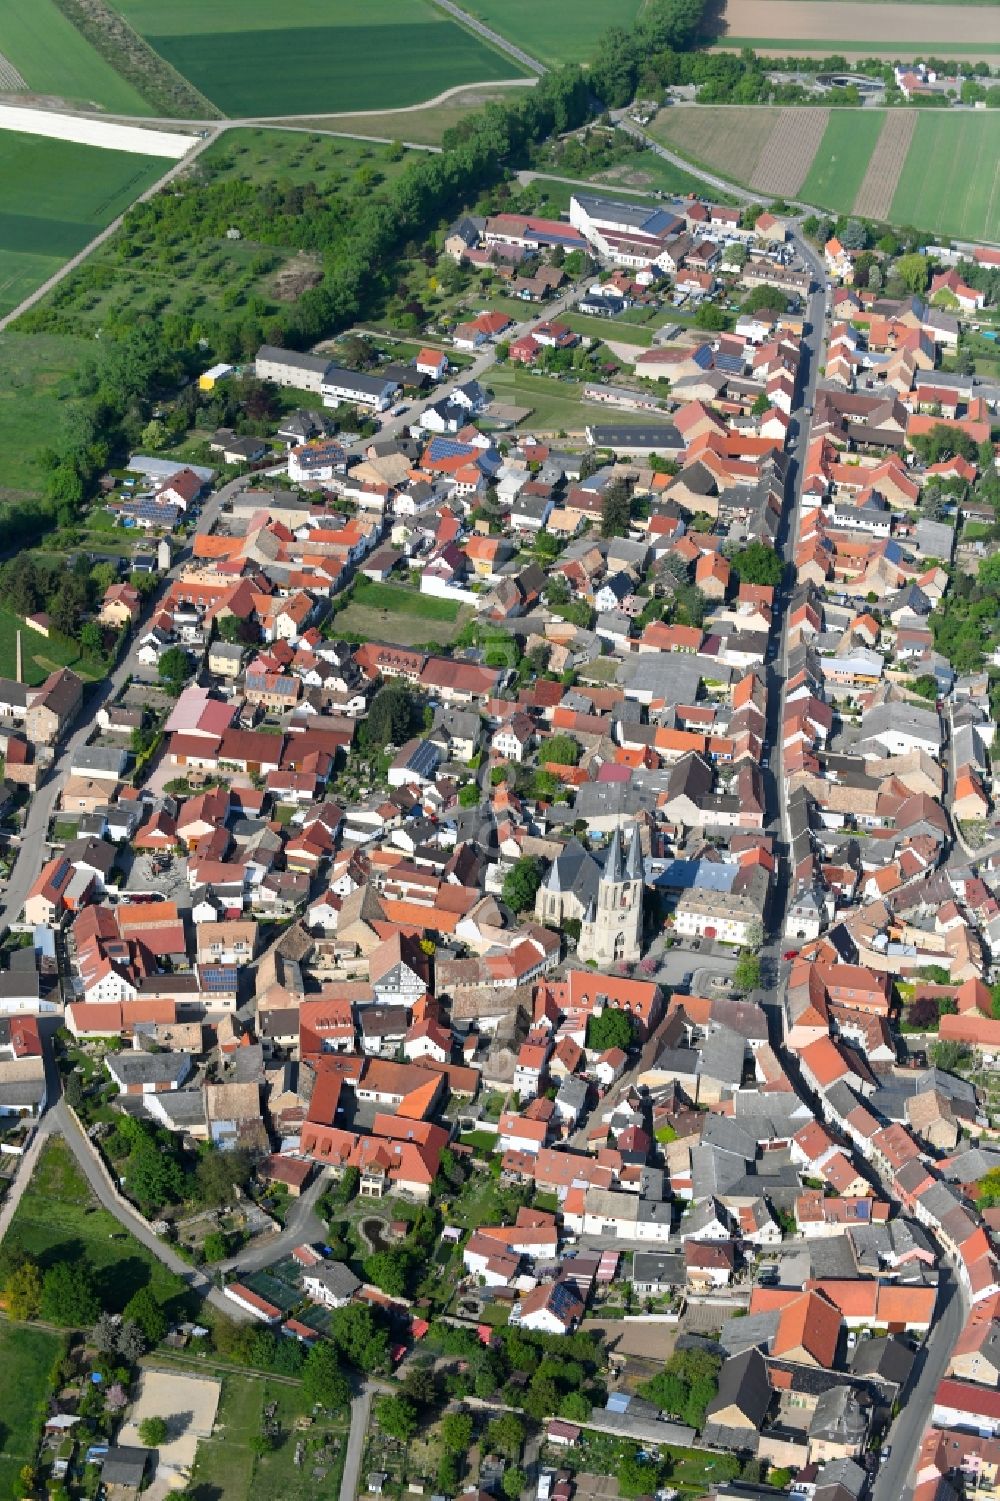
[
  {"x": 424, "y": 125},
  {"x": 842, "y": 158},
  {"x": 313, "y": 56},
  {"x": 53, "y": 58},
  {"x": 27, "y": 1358},
  {"x": 54, "y": 197},
  {"x": 59, "y": 1219}
]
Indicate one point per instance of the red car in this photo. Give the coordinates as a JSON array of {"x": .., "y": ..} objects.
[{"x": 790, "y": 954}]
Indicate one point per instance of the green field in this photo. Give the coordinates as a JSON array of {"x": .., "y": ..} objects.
[
  {"x": 840, "y": 164},
  {"x": 58, "y": 1219},
  {"x": 252, "y": 59},
  {"x": 225, "y": 1467},
  {"x": 34, "y": 404},
  {"x": 423, "y": 126},
  {"x": 400, "y": 600},
  {"x": 27, "y": 1357},
  {"x": 53, "y": 58},
  {"x": 403, "y": 616},
  {"x": 951, "y": 181},
  {"x": 54, "y": 197},
  {"x": 555, "y": 31}
]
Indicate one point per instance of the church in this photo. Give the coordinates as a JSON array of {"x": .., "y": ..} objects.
[{"x": 606, "y": 900}]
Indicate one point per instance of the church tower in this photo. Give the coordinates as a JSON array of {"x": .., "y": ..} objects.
[{"x": 611, "y": 930}]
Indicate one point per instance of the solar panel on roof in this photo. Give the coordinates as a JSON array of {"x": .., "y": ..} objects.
[{"x": 449, "y": 448}]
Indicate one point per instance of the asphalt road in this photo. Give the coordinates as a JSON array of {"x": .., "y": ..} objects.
[
  {"x": 895, "y": 1476},
  {"x": 361, "y": 1407},
  {"x": 33, "y": 850},
  {"x": 302, "y": 1225}
]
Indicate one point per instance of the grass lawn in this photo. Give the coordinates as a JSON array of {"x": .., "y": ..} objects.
[
  {"x": 401, "y": 615},
  {"x": 26, "y": 1360},
  {"x": 555, "y": 405},
  {"x": 41, "y": 654},
  {"x": 951, "y": 180},
  {"x": 561, "y": 31},
  {"x": 226, "y": 1469},
  {"x": 840, "y": 164},
  {"x": 251, "y": 59},
  {"x": 617, "y": 330},
  {"x": 58, "y": 1219},
  {"x": 54, "y": 197},
  {"x": 405, "y": 600},
  {"x": 54, "y": 58}
]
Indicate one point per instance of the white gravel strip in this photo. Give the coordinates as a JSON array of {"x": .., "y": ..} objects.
[{"x": 89, "y": 132}]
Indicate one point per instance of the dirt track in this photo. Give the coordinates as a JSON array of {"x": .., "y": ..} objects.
[{"x": 855, "y": 21}]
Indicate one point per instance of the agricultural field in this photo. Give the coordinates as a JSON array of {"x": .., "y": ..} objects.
[
  {"x": 252, "y": 61},
  {"x": 27, "y": 1358},
  {"x": 867, "y": 27},
  {"x": 841, "y": 162},
  {"x": 951, "y": 181},
  {"x": 938, "y": 170},
  {"x": 54, "y": 197},
  {"x": 729, "y": 139},
  {"x": 53, "y": 58},
  {"x": 556, "y": 31}
]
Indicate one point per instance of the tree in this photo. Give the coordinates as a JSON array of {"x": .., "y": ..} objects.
[
  {"x": 636, "y": 1477},
  {"x": 616, "y": 510},
  {"x": 323, "y": 1382},
  {"x": 131, "y": 1342},
  {"x": 575, "y": 1407},
  {"x": 68, "y": 1296},
  {"x": 456, "y": 1432},
  {"x": 469, "y": 795},
  {"x": 391, "y": 719},
  {"x": 746, "y": 975},
  {"x": 561, "y": 750},
  {"x": 913, "y": 271},
  {"x": 152, "y": 1432},
  {"x": 948, "y": 1056},
  {"x": 216, "y": 1245},
  {"x": 448, "y": 1475},
  {"x": 174, "y": 668},
  {"x": 610, "y": 1028},
  {"x": 143, "y": 1309},
  {"x": 218, "y": 1174},
  {"x": 23, "y": 1291},
  {"x": 513, "y": 1483},
  {"x": 759, "y": 564},
  {"x": 521, "y": 883},
  {"x": 710, "y": 318},
  {"x": 389, "y": 1270},
  {"x": 91, "y": 638},
  {"x": 359, "y": 1337},
  {"x": 397, "y": 1416},
  {"x": 505, "y": 1435},
  {"x": 853, "y": 235}
]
